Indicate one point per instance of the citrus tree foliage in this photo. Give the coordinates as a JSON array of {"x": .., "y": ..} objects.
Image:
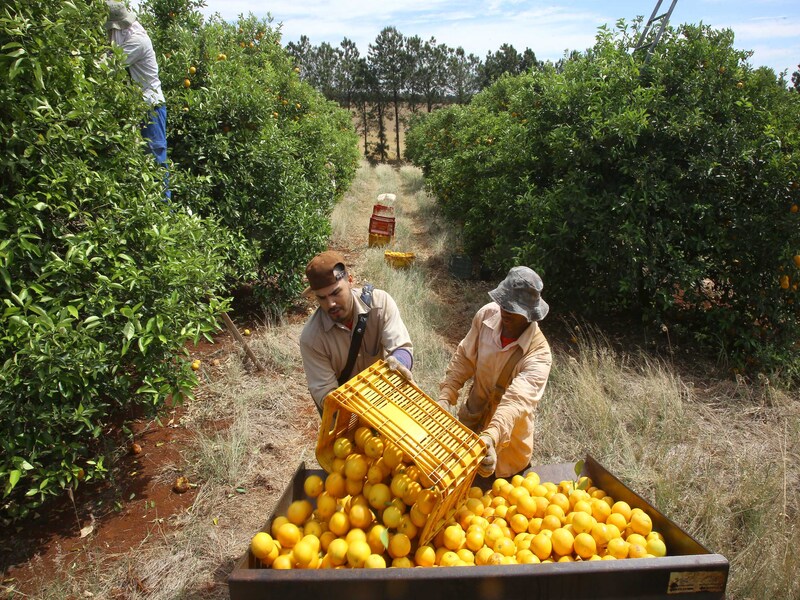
[
  {"x": 668, "y": 191},
  {"x": 250, "y": 143},
  {"x": 101, "y": 281}
]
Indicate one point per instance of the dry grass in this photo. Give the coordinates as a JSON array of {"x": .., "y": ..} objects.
[{"x": 718, "y": 458}]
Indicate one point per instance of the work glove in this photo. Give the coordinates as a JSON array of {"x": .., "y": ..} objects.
[
  {"x": 489, "y": 462},
  {"x": 398, "y": 367},
  {"x": 444, "y": 402}
]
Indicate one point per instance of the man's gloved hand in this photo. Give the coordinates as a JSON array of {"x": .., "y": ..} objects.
[
  {"x": 489, "y": 462},
  {"x": 397, "y": 366}
]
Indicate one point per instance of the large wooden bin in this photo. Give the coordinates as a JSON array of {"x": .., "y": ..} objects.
[{"x": 690, "y": 572}]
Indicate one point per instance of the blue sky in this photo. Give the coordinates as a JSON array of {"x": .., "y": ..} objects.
[{"x": 770, "y": 28}]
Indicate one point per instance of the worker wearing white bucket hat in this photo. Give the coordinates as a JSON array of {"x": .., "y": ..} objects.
[
  {"x": 125, "y": 31},
  {"x": 508, "y": 358}
]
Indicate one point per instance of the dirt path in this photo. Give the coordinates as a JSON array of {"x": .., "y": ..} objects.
[{"x": 133, "y": 536}]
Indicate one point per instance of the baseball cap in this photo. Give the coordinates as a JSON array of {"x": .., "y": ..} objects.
[{"x": 320, "y": 271}]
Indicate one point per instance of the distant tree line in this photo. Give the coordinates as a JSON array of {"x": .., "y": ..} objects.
[{"x": 399, "y": 70}]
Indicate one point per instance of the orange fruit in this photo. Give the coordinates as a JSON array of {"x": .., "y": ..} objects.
[
  {"x": 563, "y": 542},
  {"x": 355, "y": 467},
  {"x": 335, "y": 485},
  {"x": 288, "y": 535},
  {"x": 656, "y": 547},
  {"x": 454, "y": 537},
  {"x": 361, "y": 516},
  {"x": 392, "y": 517},
  {"x": 641, "y": 523},
  {"x": 262, "y": 545},
  {"x": 342, "y": 447},
  {"x": 425, "y": 556},
  {"x": 373, "y": 447},
  {"x": 313, "y": 486},
  {"x": 339, "y": 523},
  {"x": 337, "y": 551},
  {"x": 303, "y": 554},
  {"x": 375, "y": 561},
  {"x": 542, "y": 546},
  {"x": 299, "y": 511},
  {"x": 357, "y": 553},
  {"x": 399, "y": 545},
  {"x": 585, "y": 545}
]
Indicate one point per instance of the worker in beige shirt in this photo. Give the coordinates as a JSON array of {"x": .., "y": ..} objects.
[
  {"x": 326, "y": 338},
  {"x": 504, "y": 342}
]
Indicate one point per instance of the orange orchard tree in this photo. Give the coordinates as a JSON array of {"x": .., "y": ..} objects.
[
  {"x": 250, "y": 143},
  {"x": 102, "y": 282},
  {"x": 664, "y": 191}
]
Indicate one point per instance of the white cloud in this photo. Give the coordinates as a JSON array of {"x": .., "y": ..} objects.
[{"x": 547, "y": 28}]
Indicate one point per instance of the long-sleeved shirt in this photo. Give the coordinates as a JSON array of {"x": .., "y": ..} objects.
[
  {"x": 481, "y": 356},
  {"x": 325, "y": 344},
  {"x": 141, "y": 60}
]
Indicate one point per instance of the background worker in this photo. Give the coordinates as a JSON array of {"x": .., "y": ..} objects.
[
  {"x": 125, "y": 31},
  {"x": 509, "y": 359},
  {"x": 325, "y": 342}
]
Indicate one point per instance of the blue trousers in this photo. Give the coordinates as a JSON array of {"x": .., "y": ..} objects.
[{"x": 155, "y": 133}]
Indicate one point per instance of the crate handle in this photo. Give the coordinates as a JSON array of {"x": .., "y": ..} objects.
[{"x": 334, "y": 419}]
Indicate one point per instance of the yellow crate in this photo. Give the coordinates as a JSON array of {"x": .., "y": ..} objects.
[
  {"x": 446, "y": 452},
  {"x": 378, "y": 239},
  {"x": 399, "y": 260}
]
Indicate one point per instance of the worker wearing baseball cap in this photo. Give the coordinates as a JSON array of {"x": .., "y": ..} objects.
[
  {"x": 508, "y": 358},
  {"x": 326, "y": 338}
]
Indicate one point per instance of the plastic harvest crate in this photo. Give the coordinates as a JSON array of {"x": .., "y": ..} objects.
[
  {"x": 381, "y": 225},
  {"x": 376, "y": 239},
  {"x": 399, "y": 260},
  {"x": 446, "y": 452},
  {"x": 379, "y": 210},
  {"x": 688, "y": 572}
]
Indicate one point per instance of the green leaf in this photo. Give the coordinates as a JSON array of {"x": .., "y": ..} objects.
[
  {"x": 385, "y": 538},
  {"x": 13, "y": 479},
  {"x": 129, "y": 330},
  {"x": 579, "y": 468}
]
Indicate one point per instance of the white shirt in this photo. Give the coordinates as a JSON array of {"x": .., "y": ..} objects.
[{"x": 141, "y": 60}]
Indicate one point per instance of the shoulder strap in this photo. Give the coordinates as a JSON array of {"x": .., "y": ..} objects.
[
  {"x": 503, "y": 381},
  {"x": 358, "y": 334},
  {"x": 505, "y": 375},
  {"x": 366, "y": 294}
]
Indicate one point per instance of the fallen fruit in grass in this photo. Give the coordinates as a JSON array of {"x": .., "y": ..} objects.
[
  {"x": 187, "y": 83},
  {"x": 221, "y": 57},
  {"x": 192, "y": 70},
  {"x": 181, "y": 485},
  {"x": 195, "y": 364},
  {"x": 246, "y": 332},
  {"x": 136, "y": 448}
]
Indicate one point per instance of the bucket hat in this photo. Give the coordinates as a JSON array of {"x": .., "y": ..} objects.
[
  {"x": 119, "y": 17},
  {"x": 521, "y": 293}
]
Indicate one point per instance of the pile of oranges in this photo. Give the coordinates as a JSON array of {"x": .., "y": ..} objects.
[{"x": 368, "y": 512}]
